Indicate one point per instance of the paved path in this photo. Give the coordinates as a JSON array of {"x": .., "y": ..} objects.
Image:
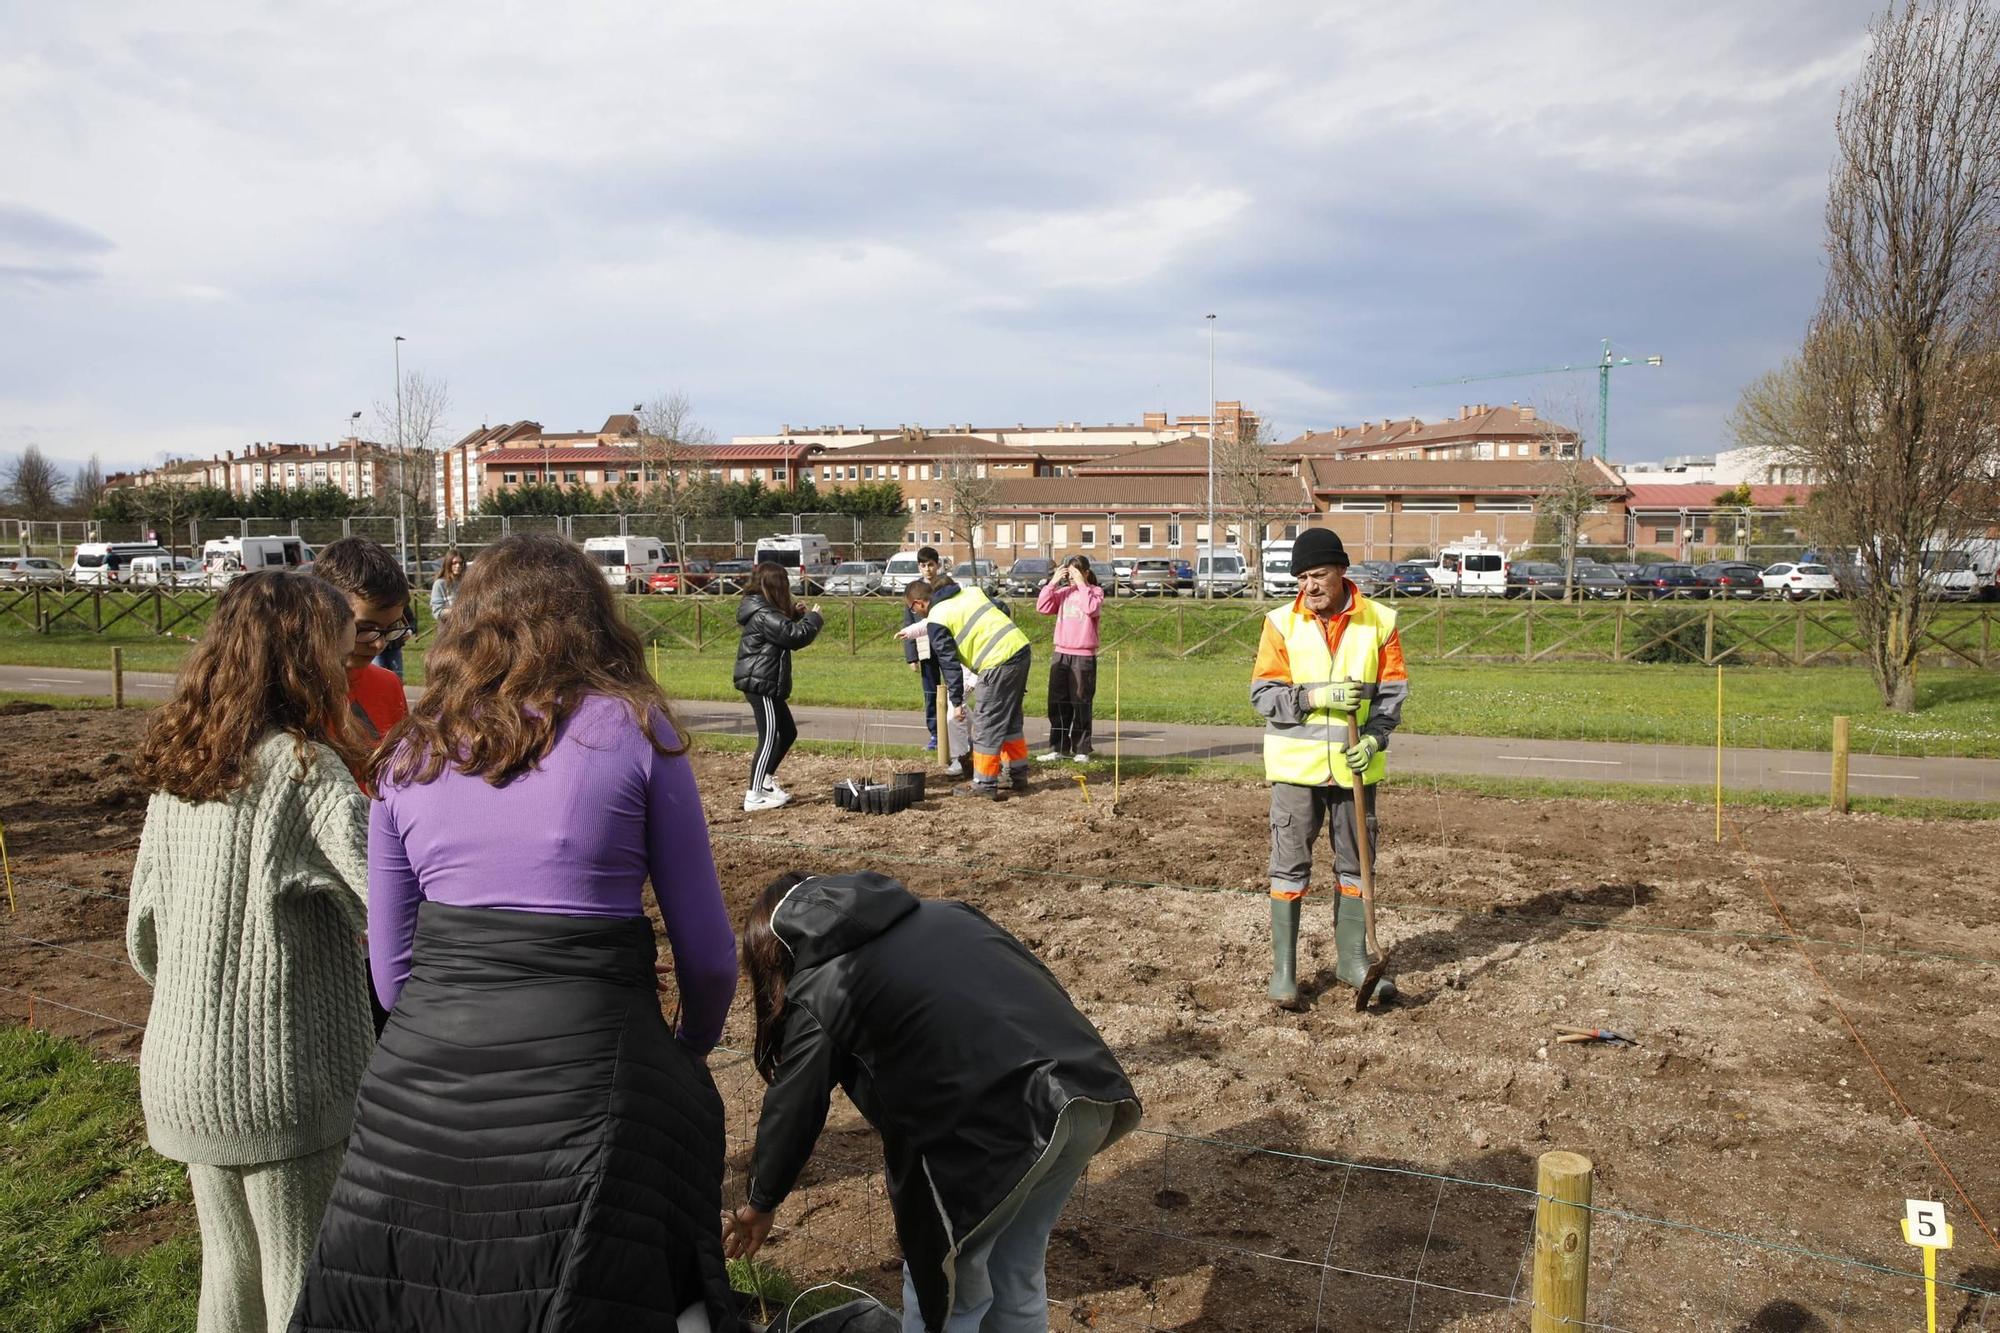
[{"x": 1606, "y": 761}]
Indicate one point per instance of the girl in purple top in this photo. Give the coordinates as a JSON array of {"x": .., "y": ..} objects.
[{"x": 534, "y": 1146}]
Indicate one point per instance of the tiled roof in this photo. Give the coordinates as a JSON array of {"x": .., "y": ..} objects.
[
  {"x": 1698, "y": 495},
  {"x": 1447, "y": 476},
  {"x": 1186, "y": 455},
  {"x": 898, "y": 448},
  {"x": 1124, "y": 492},
  {"x": 1486, "y": 423},
  {"x": 630, "y": 454}
]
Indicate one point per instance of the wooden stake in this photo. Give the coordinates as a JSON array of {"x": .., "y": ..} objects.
[
  {"x": 1837, "y": 801},
  {"x": 1117, "y": 721},
  {"x": 944, "y": 723},
  {"x": 1718, "y": 756},
  {"x": 1562, "y": 1241},
  {"x": 117, "y": 677}
]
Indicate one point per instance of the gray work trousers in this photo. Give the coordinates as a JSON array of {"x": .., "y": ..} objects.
[{"x": 1296, "y": 815}]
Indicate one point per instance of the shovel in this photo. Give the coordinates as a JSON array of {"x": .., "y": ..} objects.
[{"x": 1380, "y": 960}]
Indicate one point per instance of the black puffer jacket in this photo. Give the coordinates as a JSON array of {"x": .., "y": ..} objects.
[
  {"x": 764, "y": 657},
  {"x": 948, "y": 1035}
]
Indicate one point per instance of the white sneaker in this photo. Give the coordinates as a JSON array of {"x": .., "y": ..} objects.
[
  {"x": 1048, "y": 758},
  {"x": 755, "y": 801},
  {"x": 775, "y": 789},
  {"x": 954, "y": 769},
  {"x": 1081, "y": 758}
]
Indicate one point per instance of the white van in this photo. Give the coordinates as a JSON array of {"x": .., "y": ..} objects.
[
  {"x": 900, "y": 572},
  {"x": 807, "y": 558},
  {"x": 1220, "y": 573},
  {"x": 1279, "y": 581},
  {"x": 171, "y": 571},
  {"x": 223, "y": 558},
  {"x": 628, "y": 562},
  {"x": 104, "y": 563},
  {"x": 1471, "y": 571}
]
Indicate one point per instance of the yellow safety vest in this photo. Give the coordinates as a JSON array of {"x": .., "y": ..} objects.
[
  {"x": 1309, "y": 753},
  {"x": 985, "y": 635}
]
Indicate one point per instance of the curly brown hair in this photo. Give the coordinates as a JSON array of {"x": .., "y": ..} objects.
[
  {"x": 270, "y": 660},
  {"x": 768, "y": 964},
  {"x": 533, "y": 633}
]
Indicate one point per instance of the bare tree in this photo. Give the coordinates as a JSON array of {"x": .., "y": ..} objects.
[
  {"x": 671, "y": 444},
  {"x": 968, "y": 495},
  {"x": 1893, "y": 403},
  {"x": 415, "y": 436},
  {"x": 166, "y": 507},
  {"x": 1254, "y": 488},
  {"x": 33, "y": 484},
  {"x": 1573, "y": 491},
  {"x": 86, "y": 488}
]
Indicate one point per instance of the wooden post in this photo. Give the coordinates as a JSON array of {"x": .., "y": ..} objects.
[
  {"x": 1180, "y": 628},
  {"x": 1440, "y": 620},
  {"x": 1708, "y": 640},
  {"x": 1528, "y": 630},
  {"x": 1618, "y": 632},
  {"x": 159, "y": 619},
  {"x": 851, "y": 648},
  {"x": 1117, "y": 722},
  {"x": 944, "y": 723},
  {"x": 697, "y": 624},
  {"x": 1562, "y": 1241},
  {"x": 1718, "y": 755},
  {"x": 117, "y": 677},
  {"x": 1837, "y": 801}
]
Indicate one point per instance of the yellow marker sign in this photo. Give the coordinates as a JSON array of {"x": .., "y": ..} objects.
[
  {"x": 1083, "y": 782},
  {"x": 1924, "y": 1226},
  {"x": 8, "y": 867}
]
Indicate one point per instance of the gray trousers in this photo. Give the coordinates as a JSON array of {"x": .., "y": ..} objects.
[
  {"x": 1296, "y": 816},
  {"x": 258, "y": 1224},
  {"x": 998, "y": 740}
]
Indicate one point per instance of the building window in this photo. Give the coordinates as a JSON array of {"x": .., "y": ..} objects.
[
  {"x": 1087, "y": 534},
  {"x": 1362, "y": 506},
  {"x": 1663, "y": 536},
  {"x": 571, "y": 478},
  {"x": 909, "y": 538},
  {"x": 590, "y": 474},
  {"x": 1031, "y": 534},
  {"x": 1145, "y": 534},
  {"x": 868, "y": 472},
  {"x": 1430, "y": 506},
  {"x": 509, "y": 478},
  {"x": 1504, "y": 506},
  {"x": 631, "y": 476},
  {"x": 1003, "y": 534},
  {"x": 777, "y": 474},
  {"x": 852, "y": 470},
  {"x": 1059, "y": 534},
  {"x": 1117, "y": 535},
  {"x": 1173, "y": 534}
]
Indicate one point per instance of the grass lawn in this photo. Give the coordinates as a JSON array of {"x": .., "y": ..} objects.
[
  {"x": 82, "y": 1199},
  {"x": 856, "y": 664}
]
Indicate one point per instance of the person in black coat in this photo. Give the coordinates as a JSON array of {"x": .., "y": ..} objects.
[
  {"x": 773, "y": 628},
  {"x": 990, "y": 1090}
]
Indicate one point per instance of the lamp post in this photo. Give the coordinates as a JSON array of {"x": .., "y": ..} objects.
[
  {"x": 402, "y": 553},
  {"x": 1209, "y": 590},
  {"x": 354, "y": 455}
]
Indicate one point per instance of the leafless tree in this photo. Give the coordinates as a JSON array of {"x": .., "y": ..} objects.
[
  {"x": 415, "y": 436},
  {"x": 1572, "y": 492},
  {"x": 165, "y": 507},
  {"x": 86, "y": 488},
  {"x": 1893, "y": 402},
  {"x": 968, "y": 494},
  {"x": 672, "y": 445},
  {"x": 34, "y": 485},
  {"x": 1254, "y": 488}
]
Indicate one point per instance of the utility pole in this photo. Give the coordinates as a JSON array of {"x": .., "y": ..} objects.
[
  {"x": 354, "y": 455},
  {"x": 1209, "y": 590},
  {"x": 402, "y": 554}
]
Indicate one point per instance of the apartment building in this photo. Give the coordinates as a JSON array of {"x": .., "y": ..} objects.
[
  {"x": 361, "y": 468},
  {"x": 1479, "y": 432},
  {"x": 1153, "y": 428}
]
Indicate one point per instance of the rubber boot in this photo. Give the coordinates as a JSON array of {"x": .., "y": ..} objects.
[
  {"x": 1350, "y": 946},
  {"x": 1284, "y": 990}
]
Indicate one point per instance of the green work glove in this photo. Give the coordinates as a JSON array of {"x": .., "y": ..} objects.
[
  {"x": 1342, "y": 696},
  {"x": 1361, "y": 752}
]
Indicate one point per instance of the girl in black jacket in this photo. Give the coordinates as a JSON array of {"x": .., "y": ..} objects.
[
  {"x": 773, "y": 627},
  {"x": 990, "y": 1090}
]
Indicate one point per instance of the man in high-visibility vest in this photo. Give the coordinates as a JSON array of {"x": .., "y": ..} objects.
[
  {"x": 1329, "y": 654},
  {"x": 978, "y": 633}
]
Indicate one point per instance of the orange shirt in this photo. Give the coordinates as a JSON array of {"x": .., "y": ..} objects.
[
  {"x": 1274, "y": 663},
  {"x": 376, "y": 696}
]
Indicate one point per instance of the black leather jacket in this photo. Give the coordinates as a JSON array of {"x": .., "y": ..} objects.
[
  {"x": 948, "y": 1035},
  {"x": 764, "y": 657}
]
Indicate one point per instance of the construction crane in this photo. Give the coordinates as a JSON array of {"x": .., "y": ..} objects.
[{"x": 1604, "y": 365}]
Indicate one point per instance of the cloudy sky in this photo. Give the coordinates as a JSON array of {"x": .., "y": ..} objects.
[{"x": 214, "y": 218}]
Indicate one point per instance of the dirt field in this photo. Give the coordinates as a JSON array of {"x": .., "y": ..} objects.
[{"x": 1306, "y": 1192}]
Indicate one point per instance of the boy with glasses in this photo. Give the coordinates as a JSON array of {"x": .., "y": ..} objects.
[{"x": 367, "y": 575}]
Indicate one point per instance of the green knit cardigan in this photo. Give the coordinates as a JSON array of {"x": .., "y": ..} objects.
[{"x": 247, "y": 918}]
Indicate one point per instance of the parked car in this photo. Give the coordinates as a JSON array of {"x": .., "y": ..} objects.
[
  {"x": 1728, "y": 578},
  {"x": 29, "y": 569},
  {"x": 1535, "y": 579},
  {"x": 1626, "y": 569},
  {"x": 1121, "y": 576},
  {"x": 731, "y": 576},
  {"x": 855, "y": 578},
  {"x": 1371, "y": 576},
  {"x": 669, "y": 578},
  {"x": 1600, "y": 582},
  {"x": 1184, "y": 576},
  {"x": 1798, "y": 582},
  {"x": 1151, "y": 578},
  {"x": 1027, "y": 575},
  {"x": 1409, "y": 580},
  {"x": 1220, "y": 574},
  {"x": 1668, "y": 581},
  {"x": 981, "y": 574},
  {"x": 900, "y": 571}
]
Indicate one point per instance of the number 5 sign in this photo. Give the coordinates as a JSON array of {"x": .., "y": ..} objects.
[{"x": 1924, "y": 1225}]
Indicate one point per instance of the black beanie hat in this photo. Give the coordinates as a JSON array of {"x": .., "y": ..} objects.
[{"x": 1315, "y": 547}]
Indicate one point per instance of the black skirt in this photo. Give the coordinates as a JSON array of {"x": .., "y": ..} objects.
[{"x": 532, "y": 1148}]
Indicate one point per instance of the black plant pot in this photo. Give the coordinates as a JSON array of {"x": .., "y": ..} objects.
[{"x": 909, "y": 782}]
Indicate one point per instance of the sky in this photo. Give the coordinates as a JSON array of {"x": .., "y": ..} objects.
[{"x": 216, "y": 217}]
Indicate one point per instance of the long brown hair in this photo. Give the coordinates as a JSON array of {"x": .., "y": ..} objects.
[
  {"x": 769, "y": 964},
  {"x": 533, "y": 632},
  {"x": 271, "y": 659},
  {"x": 445, "y": 567},
  {"x": 769, "y": 581}
]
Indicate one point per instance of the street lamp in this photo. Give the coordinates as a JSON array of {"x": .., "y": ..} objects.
[
  {"x": 402, "y": 553},
  {"x": 354, "y": 454},
  {"x": 1209, "y": 592}
]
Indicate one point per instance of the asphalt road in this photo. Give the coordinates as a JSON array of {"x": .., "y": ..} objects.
[{"x": 1586, "y": 761}]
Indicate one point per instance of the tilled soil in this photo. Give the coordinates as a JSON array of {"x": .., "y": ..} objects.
[{"x": 1330, "y": 1169}]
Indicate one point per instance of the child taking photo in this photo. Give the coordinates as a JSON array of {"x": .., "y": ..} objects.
[
  {"x": 1073, "y": 596},
  {"x": 246, "y": 918},
  {"x": 774, "y": 627}
]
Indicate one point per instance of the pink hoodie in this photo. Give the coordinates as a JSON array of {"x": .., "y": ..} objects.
[{"x": 1075, "y": 610}]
